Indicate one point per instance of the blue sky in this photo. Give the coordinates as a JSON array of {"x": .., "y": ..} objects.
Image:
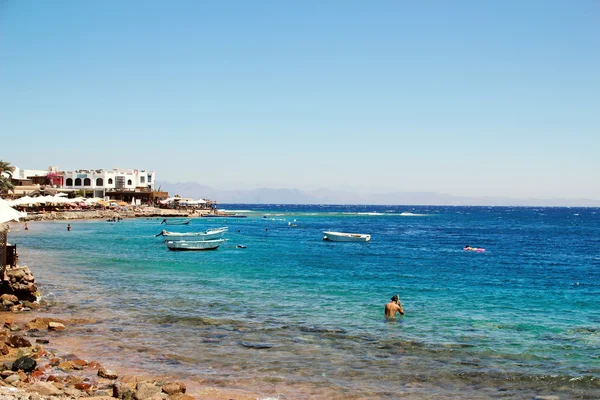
[{"x": 475, "y": 98}]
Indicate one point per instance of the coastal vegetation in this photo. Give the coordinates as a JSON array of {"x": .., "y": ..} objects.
[{"x": 6, "y": 171}]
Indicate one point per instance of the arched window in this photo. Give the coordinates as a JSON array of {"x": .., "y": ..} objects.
[
  {"x": 99, "y": 182},
  {"x": 77, "y": 181},
  {"x": 129, "y": 182},
  {"x": 110, "y": 181},
  {"x": 69, "y": 182},
  {"x": 142, "y": 179},
  {"x": 87, "y": 182}
]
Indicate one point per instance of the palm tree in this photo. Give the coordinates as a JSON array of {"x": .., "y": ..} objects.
[{"x": 6, "y": 171}]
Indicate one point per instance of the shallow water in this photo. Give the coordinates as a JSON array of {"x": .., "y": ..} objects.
[{"x": 294, "y": 316}]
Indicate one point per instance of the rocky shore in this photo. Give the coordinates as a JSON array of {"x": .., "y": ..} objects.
[{"x": 29, "y": 371}]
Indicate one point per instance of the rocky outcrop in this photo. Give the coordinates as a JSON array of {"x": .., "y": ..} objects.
[{"x": 18, "y": 289}]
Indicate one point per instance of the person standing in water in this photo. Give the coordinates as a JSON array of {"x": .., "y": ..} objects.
[
  {"x": 393, "y": 307},
  {"x": 69, "y": 227}
]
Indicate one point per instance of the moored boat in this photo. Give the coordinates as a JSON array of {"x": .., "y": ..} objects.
[
  {"x": 194, "y": 244},
  {"x": 209, "y": 234},
  {"x": 346, "y": 237},
  {"x": 223, "y": 215},
  {"x": 176, "y": 221}
]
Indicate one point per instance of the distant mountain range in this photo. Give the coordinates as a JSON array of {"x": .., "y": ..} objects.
[{"x": 327, "y": 196}]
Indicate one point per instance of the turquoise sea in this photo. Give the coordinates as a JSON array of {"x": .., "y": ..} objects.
[{"x": 292, "y": 316}]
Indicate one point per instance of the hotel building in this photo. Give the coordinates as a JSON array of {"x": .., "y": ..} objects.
[{"x": 104, "y": 183}]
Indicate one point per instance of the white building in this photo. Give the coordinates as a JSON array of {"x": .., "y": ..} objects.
[
  {"x": 19, "y": 173},
  {"x": 101, "y": 181}
]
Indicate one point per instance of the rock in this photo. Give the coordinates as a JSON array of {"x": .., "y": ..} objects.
[
  {"x": 44, "y": 388},
  {"x": 79, "y": 364},
  {"x": 42, "y": 341},
  {"x": 123, "y": 391},
  {"x": 181, "y": 396},
  {"x": 73, "y": 393},
  {"x": 65, "y": 366},
  {"x": 9, "y": 297},
  {"x": 55, "y": 326},
  {"x": 145, "y": 390},
  {"x": 26, "y": 364},
  {"x": 108, "y": 374},
  {"x": 12, "y": 379},
  {"x": 19, "y": 341},
  {"x": 158, "y": 396},
  {"x": 30, "y": 305},
  {"x": 42, "y": 323},
  {"x": 4, "y": 349},
  {"x": 83, "y": 386},
  {"x": 171, "y": 388}
]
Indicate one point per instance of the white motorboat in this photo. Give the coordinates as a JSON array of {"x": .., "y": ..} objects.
[
  {"x": 346, "y": 237},
  {"x": 210, "y": 234},
  {"x": 194, "y": 244},
  {"x": 176, "y": 221}
]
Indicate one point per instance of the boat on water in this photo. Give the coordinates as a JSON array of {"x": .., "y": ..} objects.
[
  {"x": 346, "y": 237},
  {"x": 194, "y": 244},
  {"x": 176, "y": 221},
  {"x": 209, "y": 234},
  {"x": 223, "y": 215}
]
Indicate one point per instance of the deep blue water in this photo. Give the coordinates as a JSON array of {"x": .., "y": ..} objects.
[{"x": 521, "y": 318}]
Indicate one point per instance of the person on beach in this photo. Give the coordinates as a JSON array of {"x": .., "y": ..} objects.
[
  {"x": 393, "y": 307},
  {"x": 69, "y": 227}
]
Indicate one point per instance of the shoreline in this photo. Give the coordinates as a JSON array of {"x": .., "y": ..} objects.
[
  {"x": 135, "y": 212},
  {"x": 70, "y": 345},
  {"x": 56, "y": 351}
]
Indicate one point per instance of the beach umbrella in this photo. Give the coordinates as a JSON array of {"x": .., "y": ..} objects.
[{"x": 7, "y": 213}]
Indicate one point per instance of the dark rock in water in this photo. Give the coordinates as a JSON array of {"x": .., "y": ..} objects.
[
  {"x": 35, "y": 333},
  {"x": 19, "y": 341},
  {"x": 26, "y": 364},
  {"x": 42, "y": 341},
  {"x": 256, "y": 345}
]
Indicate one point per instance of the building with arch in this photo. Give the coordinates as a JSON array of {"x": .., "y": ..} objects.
[{"x": 113, "y": 183}]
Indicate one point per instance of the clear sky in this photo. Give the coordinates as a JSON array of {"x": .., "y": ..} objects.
[{"x": 489, "y": 98}]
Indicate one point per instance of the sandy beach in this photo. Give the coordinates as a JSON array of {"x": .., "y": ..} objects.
[{"x": 134, "y": 212}]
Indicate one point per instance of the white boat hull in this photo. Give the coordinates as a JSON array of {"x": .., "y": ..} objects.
[
  {"x": 177, "y": 222},
  {"x": 192, "y": 245},
  {"x": 195, "y": 236},
  {"x": 346, "y": 237}
]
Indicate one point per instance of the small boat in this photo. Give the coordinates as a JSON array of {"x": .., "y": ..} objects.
[
  {"x": 194, "y": 244},
  {"x": 223, "y": 216},
  {"x": 176, "y": 221},
  {"x": 209, "y": 234},
  {"x": 346, "y": 237}
]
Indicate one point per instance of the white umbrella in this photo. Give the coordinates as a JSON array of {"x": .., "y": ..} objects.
[
  {"x": 61, "y": 194},
  {"x": 25, "y": 200},
  {"x": 7, "y": 213}
]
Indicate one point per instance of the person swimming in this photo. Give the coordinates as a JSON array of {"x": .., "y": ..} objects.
[{"x": 393, "y": 307}]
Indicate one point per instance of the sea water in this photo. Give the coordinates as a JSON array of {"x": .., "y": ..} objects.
[{"x": 294, "y": 316}]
